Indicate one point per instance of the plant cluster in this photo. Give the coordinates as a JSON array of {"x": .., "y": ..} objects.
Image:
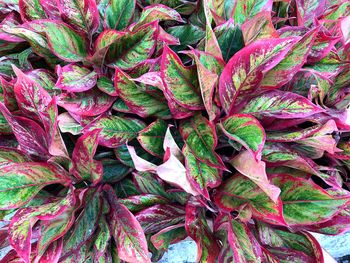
[{"x": 127, "y": 126}]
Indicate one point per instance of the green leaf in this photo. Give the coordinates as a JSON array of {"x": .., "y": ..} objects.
[
  {"x": 74, "y": 78},
  {"x": 64, "y": 42},
  {"x": 245, "y": 9},
  {"x": 158, "y": 12},
  {"x": 151, "y": 138},
  {"x": 85, "y": 224},
  {"x": 102, "y": 239},
  {"x": 169, "y": 235},
  {"x": 84, "y": 166},
  {"x": 9, "y": 156},
  {"x": 291, "y": 64},
  {"x": 116, "y": 131},
  {"x": 246, "y": 130},
  {"x": 201, "y": 175},
  {"x": 245, "y": 70},
  {"x": 81, "y": 14},
  {"x": 133, "y": 47},
  {"x": 283, "y": 239},
  {"x": 281, "y": 105},
  {"x": 31, "y": 10},
  {"x": 67, "y": 123},
  {"x": 180, "y": 82},
  {"x": 19, "y": 183},
  {"x": 142, "y": 102},
  {"x": 137, "y": 203},
  {"x": 230, "y": 39},
  {"x": 127, "y": 232},
  {"x": 200, "y": 137},
  {"x": 239, "y": 190},
  {"x": 118, "y": 13},
  {"x": 198, "y": 229},
  {"x": 106, "y": 85},
  {"x": 304, "y": 202}
]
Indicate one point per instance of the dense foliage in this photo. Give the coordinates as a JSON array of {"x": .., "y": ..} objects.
[{"x": 126, "y": 126}]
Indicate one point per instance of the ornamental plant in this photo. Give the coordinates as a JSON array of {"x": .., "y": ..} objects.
[{"x": 127, "y": 126}]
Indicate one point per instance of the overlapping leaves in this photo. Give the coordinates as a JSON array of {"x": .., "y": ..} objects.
[{"x": 126, "y": 126}]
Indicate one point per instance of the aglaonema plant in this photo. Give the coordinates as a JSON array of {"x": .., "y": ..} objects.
[{"x": 127, "y": 126}]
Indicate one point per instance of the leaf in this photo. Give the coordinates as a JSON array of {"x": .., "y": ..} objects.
[
  {"x": 239, "y": 190},
  {"x": 137, "y": 203},
  {"x": 20, "y": 228},
  {"x": 32, "y": 99},
  {"x": 158, "y": 12},
  {"x": 64, "y": 42},
  {"x": 127, "y": 232},
  {"x": 281, "y": 239},
  {"x": 102, "y": 239},
  {"x": 259, "y": 27},
  {"x": 85, "y": 224},
  {"x": 90, "y": 103},
  {"x": 198, "y": 229},
  {"x": 201, "y": 175},
  {"x": 116, "y": 130},
  {"x": 139, "y": 101},
  {"x": 106, "y": 85},
  {"x": 244, "y": 72},
  {"x": 151, "y": 138},
  {"x": 244, "y": 10},
  {"x": 282, "y": 155},
  {"x": 84, "y": 165},
  {"x": 281, "y": 105},
  {"x": 81, "y": 14},
  {"x": 172, "y": 171},
  {"x": 246, "y": 130},
  {"x": 132, "y": 48},
  {"x": 168, "y": 235},
  {"x": 67, "y": 123},
  {"x": 305, "y": 203},
  {"x": 20, "y": 182},
  {"x": 54, "y": 229},
  {"x": 73, "y": 78},
  {"x": 255, "y": 170},
  {"x": 119, "y": 13},
  {"x": 207, "y": 82},
  {"x": 200, "y": 137},
  {"x": 308, "y": 10},
  {"x": 230, "y": 38},
  {"x": 292, "y": 63},
  {"x": 31, "y": 10},
  {"x": 180, "y": 82},
  {"x": 239, "y": 243},
  {"x": 9, "y": 156},
  {"x": 158, "y": 217},
  {"x": 30, "y": 136},
  {"x": 148, "y": 183},
  {"x": 53, "y": 252}
]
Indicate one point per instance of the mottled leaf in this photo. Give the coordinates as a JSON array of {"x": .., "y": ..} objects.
[
  {"x": 127, "y": 232},
  {"x": 151, "y": 138},
  {"x": 81, "y": 14},
  {"x": 73, "y": 78},
  {"x": 240, "y": 190},
  {"x": 244, "y": 72},
  {"x": 246, "y": 130},
  {"x": 116, "y": 130},
  {"x": 200, "y": 137},
  {"x": 281, "y": 105},
  {"x": 304, "y": 202},
  {"x": 118, "y": 13}
]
